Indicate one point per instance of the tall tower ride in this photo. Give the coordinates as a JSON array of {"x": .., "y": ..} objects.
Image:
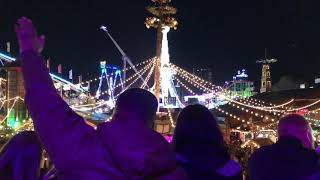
[{"x": 163, "y": 21}]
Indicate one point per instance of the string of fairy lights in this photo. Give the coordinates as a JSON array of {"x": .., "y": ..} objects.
[
  {"x": 205, "y": 83},
  {"x": 315, "y": 122},
  {"x": 89, "y": 107},
  {"x": 136, "y": 75},
  {"x": 200, "y": 86},
  {"x": 304, "y": 107},
  {"x": 225, "y": 112},
  {"x": 248, "y": 103},
  {"x": 12, "y": 106},
  {"x": 79, "y": 106},
  {"x": 253, "y": 112},
  {"x": 263, "y": 104},
  {"x": 273, "y": 106},
  {"x": 123, "y": 70},
  {"x": 253, "y": 107},
  {"x": 172, "y": 123},
  {"x": 183, "y": 85},
  {"x": 137, "y": 78},
  {"x": 205, "y": 89},
  {"x": 145, "y": 83},
  {"x": 219, "y": 109},
  {"x": 316, "y": 111}
]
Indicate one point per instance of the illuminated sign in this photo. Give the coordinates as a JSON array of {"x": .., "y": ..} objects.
[
  {"x": 170, "y": 101},
  {"x": 103, "y": 64},
  {"x": 242, "y": 74}
]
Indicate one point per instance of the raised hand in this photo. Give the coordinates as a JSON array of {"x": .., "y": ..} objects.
[{"x": 27, "y": 36}]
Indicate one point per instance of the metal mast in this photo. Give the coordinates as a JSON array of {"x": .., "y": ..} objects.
[{"x": 125, "y": 58}]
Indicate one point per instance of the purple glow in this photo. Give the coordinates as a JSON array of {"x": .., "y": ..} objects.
[{"x": 168, "y": 138}]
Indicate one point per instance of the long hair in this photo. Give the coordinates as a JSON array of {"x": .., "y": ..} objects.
[
  {"x": 20, "y": 157},
  {"x": 197, "y": 125}
]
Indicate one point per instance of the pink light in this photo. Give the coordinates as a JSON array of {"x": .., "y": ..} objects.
[
  {"x": 302, "y": 111},
  {"x": 168, "y": 138}
]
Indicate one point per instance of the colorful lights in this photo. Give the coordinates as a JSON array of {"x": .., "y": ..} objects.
[
  {"x": 183, "y": 85},
  {"x": 7, "y": 58},
  {"x": 143, "y": 70},
  {"x": 129, "y": 68},
  {"x": 145, "y": 83},
  {"x": 304, "y": 107},
  {"x": 10, "y": 109},
  {"x": 171, "y": 119},
  {"x": 55, "y": 77}
]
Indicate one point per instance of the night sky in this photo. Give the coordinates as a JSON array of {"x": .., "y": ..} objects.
[{"x": 223, "y": 35}]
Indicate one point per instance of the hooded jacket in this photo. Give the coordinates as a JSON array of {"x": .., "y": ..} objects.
[
  {"x": 204, "y": 162},
  {"x": 116, "y": 150}
]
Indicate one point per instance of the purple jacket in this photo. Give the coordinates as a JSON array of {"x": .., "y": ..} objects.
[
  {"x": 286, "y": 159},
  {"x": 115, "y": 150}
]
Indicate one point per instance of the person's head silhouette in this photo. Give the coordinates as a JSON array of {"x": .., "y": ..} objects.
[
  {"x": 20, "y": 157},
  {"x": 298, "y": 127},
  {"x": 195, "y": 124},
  {"x": 138, "y": 105}
]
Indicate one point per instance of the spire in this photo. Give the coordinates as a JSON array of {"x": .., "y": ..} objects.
[{"x": 266, "y": 82}]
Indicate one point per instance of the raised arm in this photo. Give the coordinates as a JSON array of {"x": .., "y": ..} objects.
[{"x": 61, "y": 130}]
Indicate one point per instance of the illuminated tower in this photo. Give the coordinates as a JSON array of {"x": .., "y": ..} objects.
[
  {"x": 163, "y": 21},
  {"x": 266, "y": 83},
  {"x": 265, "y": 79}
]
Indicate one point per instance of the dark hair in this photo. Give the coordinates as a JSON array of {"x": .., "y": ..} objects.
[
  {"x": 197, "y": 125},
  {"x": 137, "y": 102},
  {"x": 26, "y": 148}
]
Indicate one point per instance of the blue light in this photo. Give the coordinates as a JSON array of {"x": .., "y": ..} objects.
[
  {"x": 112, "y": 67},
  {"x": 60, "y": 79},
  {"x": 6, "y": 57}
]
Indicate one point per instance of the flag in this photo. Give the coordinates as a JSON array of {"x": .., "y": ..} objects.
[
  {"x": 70, "y": 74},
  {"x": 9, "y": 47},
  {"x": 60, "y": 68},
  {"x": 80, "y": 79},
  {"x": 48, "y": 63}
]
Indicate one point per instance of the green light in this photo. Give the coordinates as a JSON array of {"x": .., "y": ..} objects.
[
  {"x": 16, "y": 125},
  {"x": 11, "y": 119}
]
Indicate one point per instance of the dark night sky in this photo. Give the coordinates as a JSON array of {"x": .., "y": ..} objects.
[{"x": 224, "y": 35}]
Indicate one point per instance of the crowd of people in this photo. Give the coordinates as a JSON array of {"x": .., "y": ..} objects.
[{"x": 128, "y": 147}]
